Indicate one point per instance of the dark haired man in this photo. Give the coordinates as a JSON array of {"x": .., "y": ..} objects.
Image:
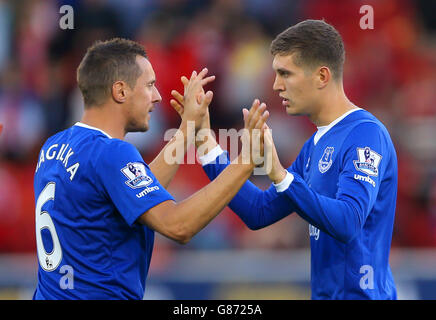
[
  {"x": 348, "y": 201},
  {"x": 98, "y": 203}
]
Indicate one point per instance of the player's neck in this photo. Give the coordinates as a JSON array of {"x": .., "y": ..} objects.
[
  {"x": 104, "y": 119},
  {"x": 333, "y": 105}
]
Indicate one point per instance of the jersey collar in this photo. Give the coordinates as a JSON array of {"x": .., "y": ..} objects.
[
  {"x": 80, "y": 124},
  {"x": 324, "y": 129}
]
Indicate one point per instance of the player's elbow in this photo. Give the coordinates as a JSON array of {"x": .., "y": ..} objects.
[
  {"x": 182, "y": 240},
  {"x": 168, "y": 219},
  {"x": 253, "y": 226},
  {"x": 257, "y": 222},
  {"x": 253, "y": 221},
  {"x": 346, "y": 236},
  {"x": 350, "y": 230},
  {"x": 181, "y": 234},
  {"x": 348, "y": 222}
]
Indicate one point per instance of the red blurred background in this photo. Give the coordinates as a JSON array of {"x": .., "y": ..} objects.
[{"x": 389, "y": 70}]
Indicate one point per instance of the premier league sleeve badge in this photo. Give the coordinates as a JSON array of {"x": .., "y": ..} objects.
[
  {"x": 368, "y": 161},
  {"x": 137, "y": 175}
]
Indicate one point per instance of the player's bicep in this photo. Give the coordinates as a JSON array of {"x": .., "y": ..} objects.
[
  {"x": 156, "y": 217},
  {"x": 163, "y": 218}
]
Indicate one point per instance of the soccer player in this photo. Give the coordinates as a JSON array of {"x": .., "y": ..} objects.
[
  {"x": 344, "y": 180},
  {"x": 98, "y": 203}
]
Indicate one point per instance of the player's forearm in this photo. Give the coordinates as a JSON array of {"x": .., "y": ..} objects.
[
  {"x": 257, "y": 208},
  {"x": 340, "y": 218},
  {"x": 205, "y": 142},
  {"x": 194, "y": 213},
  {"x": 167, "y": 162}
]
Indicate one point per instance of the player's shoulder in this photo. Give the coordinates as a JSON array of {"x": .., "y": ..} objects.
[
  {"x": 55, "y": 137},
  {"x": 365, "y": 123},
  {"x": 118, "y": 153},
  {"x": 116, "y": 146},
  {"x": 102, "y": 143},
  {"x": 78, "y": 134},
  {"x": 367, "y": 128}
]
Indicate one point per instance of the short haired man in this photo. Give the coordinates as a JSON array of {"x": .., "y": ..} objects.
[
  {"x": 343, "y": 182},
  {"x": 98, "y": 203}
]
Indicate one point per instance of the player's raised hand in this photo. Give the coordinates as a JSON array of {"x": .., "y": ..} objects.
[
  {"x": 253, "y": 136},
  {"x": 205, "y": 124},
  {"x": 1, "y": 128},
  {"x": 193, "y": 105},
  {"x": 275, "y": 171}
]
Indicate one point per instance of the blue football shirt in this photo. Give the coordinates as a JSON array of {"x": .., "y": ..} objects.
[
  {"x": 89, "y": 190},
  {"x": 344, "y": 183}
]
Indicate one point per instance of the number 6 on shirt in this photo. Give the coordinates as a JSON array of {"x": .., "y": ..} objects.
[{"x": 49, "y": 261}]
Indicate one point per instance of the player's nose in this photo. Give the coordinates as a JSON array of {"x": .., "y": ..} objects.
[
  {"x": 156, "y": 96},
  {"x": 278, "y": 84}
]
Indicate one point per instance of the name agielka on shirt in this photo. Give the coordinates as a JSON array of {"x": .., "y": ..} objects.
[{"x": 54, "y": 152}]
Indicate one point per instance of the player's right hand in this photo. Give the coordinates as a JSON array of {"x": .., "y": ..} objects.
[
  {"x": 1, "y": 128},
  {"x": 253, "y": 135},
  {"x": 275, "y": 170},
  {"x": 193, "y": 105}
]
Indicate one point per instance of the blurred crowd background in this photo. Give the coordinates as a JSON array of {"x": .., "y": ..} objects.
[{"x": 390, "y": 71}]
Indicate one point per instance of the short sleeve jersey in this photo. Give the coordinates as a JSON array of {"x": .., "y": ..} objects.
[{"x": 90, "y": 189}]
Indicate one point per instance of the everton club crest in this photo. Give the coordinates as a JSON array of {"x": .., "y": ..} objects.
[{"x": 326, "y": 160}]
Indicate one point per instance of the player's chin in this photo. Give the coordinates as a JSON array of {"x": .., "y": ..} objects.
[
  {"x": 294, "y": 110},
  {"x": 143, "y": 127},
  {"x": 291, "y": 111}
]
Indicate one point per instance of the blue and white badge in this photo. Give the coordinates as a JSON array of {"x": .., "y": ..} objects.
[
  {"x": 326, "y": 160},
  {"x": 135, "y": 172},
  {"x": 368, "y": 161}
]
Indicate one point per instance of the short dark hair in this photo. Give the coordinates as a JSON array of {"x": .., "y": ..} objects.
[
  {"x": 104, "y": 63},
  {"x": 315, "y": 42}
]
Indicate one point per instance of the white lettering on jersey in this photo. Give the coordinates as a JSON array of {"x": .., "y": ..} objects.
[
  {"x": 51, "y": 155},
  {"x": 41, "y": 160},
  {"x": 72, "y": 170},
  {"x": 146, "y": 191},
  {"x": 366, "y": 179}
]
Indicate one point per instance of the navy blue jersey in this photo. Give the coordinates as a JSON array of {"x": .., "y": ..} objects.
[
  {"x": 344, "y": 183},
  {"x": 90, "y": 189}
]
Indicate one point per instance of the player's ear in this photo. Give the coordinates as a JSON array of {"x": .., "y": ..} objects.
[
  {"x": 119, "y": 91},
  {"x": 323, "y": 76}
]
